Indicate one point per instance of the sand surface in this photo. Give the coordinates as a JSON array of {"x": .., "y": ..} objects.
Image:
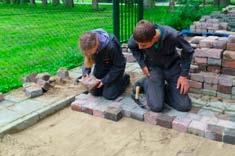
[{"x": 69, "y": 133}]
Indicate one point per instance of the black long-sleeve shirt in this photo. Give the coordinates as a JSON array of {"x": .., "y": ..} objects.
[
  {"x": 164, "y": 54},
  {"x": 109, "y": 60}
]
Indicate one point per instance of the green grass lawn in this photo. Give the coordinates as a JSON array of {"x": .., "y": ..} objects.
[{"x": 42, "y": 39}]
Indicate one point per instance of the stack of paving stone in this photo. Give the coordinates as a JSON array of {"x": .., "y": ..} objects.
[
  {"x": 127, "y": 53},
  {"x": 226, "y": 17},
  {"x": 208, "y": 24},
  {"x": 200, "y": 122},
  {"x": 214, "y": 66},
  {"x": 36, "y": 84}
]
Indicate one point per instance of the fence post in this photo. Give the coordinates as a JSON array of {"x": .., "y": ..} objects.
[
  {"x": 116, "y": 22},
  {"x": 141, "y": 9}
]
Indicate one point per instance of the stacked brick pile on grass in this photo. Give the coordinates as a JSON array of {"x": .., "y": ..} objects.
[
  {"x": 214, "y": 66},
  {"x": 38, "y": 83}
]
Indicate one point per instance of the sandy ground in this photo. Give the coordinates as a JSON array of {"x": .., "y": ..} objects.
[{"x": 69, "y": 133}]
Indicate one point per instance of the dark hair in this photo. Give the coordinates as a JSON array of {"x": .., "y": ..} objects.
[
  {"x": 144, "y": 31},
  {"x": 88, "y": 41}
]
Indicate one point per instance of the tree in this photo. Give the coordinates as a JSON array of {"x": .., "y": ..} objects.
[
  {"x": 44, "y": 2},
  {"x": 32, "y": 2},
  {"x": 149, "y": 3},
  {"x": 95, "y": 4},
  {"x": 69, "y": 3},
  {"x": 55, "y": 2}
]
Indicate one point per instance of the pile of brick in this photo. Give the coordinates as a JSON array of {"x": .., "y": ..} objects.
[
  {"x": 127, "y": 53},
  {"x": 208, "y": 24},
  {"x": 216, "y": 21},
  {"x": 200, "y": 122},
  {"x": 214, "y": 66},
  {"x": 36, "y": 84}
]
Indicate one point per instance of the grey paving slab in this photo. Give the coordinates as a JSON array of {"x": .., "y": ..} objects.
[
  {"x": 16, "y": 95},
  {"x": 26, "y": 107},
  {"x": 6, "y": 103},
  {"x": 7, "y": 116}
]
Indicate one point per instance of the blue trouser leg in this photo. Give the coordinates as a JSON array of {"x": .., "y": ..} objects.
[
  {"x": 173, "y": 97},
  {"x": 154, "y": 89}
]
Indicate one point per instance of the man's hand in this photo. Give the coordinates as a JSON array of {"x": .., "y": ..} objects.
[
  {"x": 145, "y": 71},
  {"x": 100, "y": 84},
  {"x": 183, "y": 84}
]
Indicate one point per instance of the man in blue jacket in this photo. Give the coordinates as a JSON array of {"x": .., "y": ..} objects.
[
  {"x": 166, "y": 71},
  {"x": 104, "y": 52}
]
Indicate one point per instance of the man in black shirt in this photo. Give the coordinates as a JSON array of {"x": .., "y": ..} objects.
[{"x": 166, "y": 71}]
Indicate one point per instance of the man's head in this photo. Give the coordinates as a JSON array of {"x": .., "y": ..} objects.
[
  {"x": 145, "y": 34},
  {"x": 89, "y": 43}
]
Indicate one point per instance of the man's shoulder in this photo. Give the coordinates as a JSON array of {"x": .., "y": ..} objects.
[{"x": 132, "y": 43}]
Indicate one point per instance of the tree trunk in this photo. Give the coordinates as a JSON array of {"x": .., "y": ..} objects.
[
  {"x": 44, "y": 2},
  {"x": 14, "y": 2},
  {"x": 6, "y": 1},
  {"x": 32, "y": 2},
  {"x": 95, "y": 4},
  {"x": 69, "y": 3},
  {"x": 55, "y": 2},
  {"x": 149, "y": 3}
]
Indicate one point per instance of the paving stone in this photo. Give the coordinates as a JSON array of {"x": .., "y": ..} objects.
[
  {"x": 208, "y": 86},
  {"x": 77, "y": 105},
  {"x": 229, "y": 64},
  {"x": 195, "y": 84},
  {"x": 231, "y": 46},
  {"x": 181, "y": 124},
  {"x": 206, "y": 43},
  {"x": 30, "y": 78},
  {"x": 229, "y": 55},
  {"x": 151, "y": 117},
  {"x": 226, "y": 96},
  {"x": 206, "y": 113},
  {"x": 231, "y": 39},
  {"x": 33, "y": 91},
  {"x": 224, "y": 89},
  {"x": 197, "y": 77},
  {"x": 7, "y": 116},
  {"x": 194, "y": 69},
  {"x": 26, "y": 107},
  {"x": 174, "y": 113},
  {"x": 138, "y": 113},
  {"x": 195, "y": 90},
  {"x": 200, "y": 60},
  {"x": 210, "y": 53},
  {"x": 63, "y": 73},
  {"x": 226, "y": 124},
  {"x": 194, "y": 110},
  {"x": 228, "y": 71},
  {"x": 193, "y": 116},
  {"x": 16, "y": 95},
  {"x": 229, "y": 136},
  {"x": 5, "y": 103},
  {"x": 209, "y": 92},
  {"x": 43, "y": 76},
  {"x": 214, "y": 132},
  {"x": 226, "y": 80},
  {"x": 197, "y": 128},
  {"x": 127, "y": 106},
  {"x": 211, "y": 78},
  {"x": 202, "y": 67},
  {"x": 219, "y": 44},
  {"x": 165, "y": 120},
  {"x": 216, "y": 106},
  {"x": 45, "y": 85},
  {"x": 233, "y": 90},
  {"x": 214, "y": 69},
  {"x": 112, "y": 113},
  {"x": 212, "y": 61},
  {"x": 222, "y": 116},
  {"x": 198, "y": 102}
]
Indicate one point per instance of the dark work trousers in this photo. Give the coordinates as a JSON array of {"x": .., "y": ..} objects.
[
  {"x": 112, "y": 90},
  {"x": 160, "y": 87}
]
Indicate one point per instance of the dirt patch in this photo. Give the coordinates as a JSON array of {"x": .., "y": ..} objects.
[{"x": 70, "y": 133}]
